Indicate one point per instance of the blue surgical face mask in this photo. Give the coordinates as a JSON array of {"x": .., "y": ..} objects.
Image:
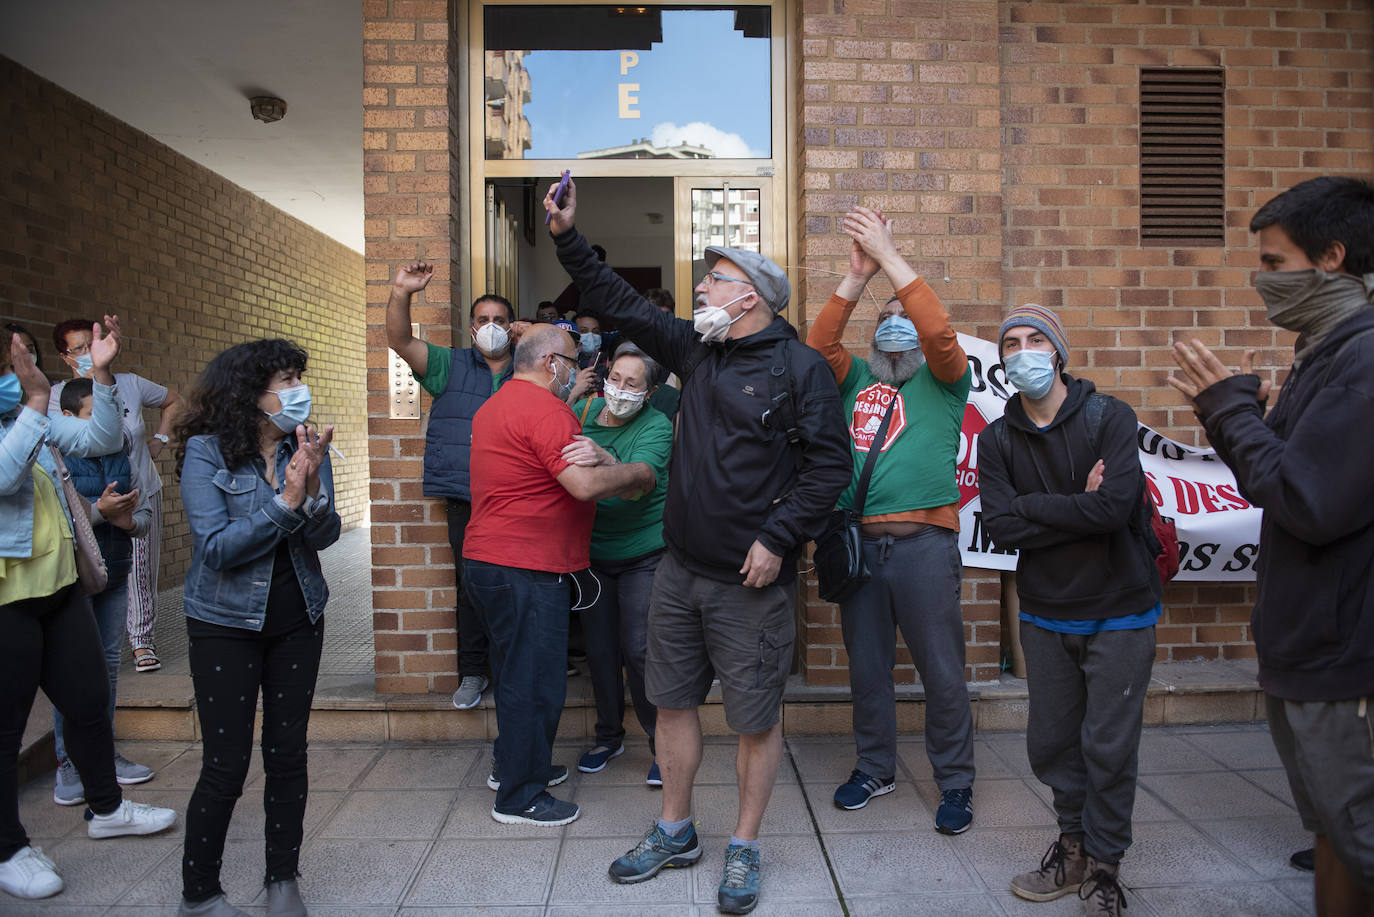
[
  {"x": 564, "y": 388},
  {"x": 1031, "y": 371},
  {"x": 895, "y": 334},
  {"x": 10, "y": 392},
  {"x": 295, "y": 407},
  {"x": 590, "y": 342},
  {"x": 84, "y": 364}
]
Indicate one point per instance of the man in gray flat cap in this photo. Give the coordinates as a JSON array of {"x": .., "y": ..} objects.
[{"x": 761, "y": 458}]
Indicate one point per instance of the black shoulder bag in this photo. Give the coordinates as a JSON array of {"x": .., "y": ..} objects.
[{"x": 839, "y": 557}]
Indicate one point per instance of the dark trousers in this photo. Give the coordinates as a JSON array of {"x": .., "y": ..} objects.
[
  {"x": 616, "y": 628},
  {"x": 52, "y": 642},
  {"x": 1087, "y": 700},
  {"x": 914, "y": 586},
  {"x": 473, "y": 640},
  {"x": 228, "y": 667},
  {"x": 526, "y": 612}
]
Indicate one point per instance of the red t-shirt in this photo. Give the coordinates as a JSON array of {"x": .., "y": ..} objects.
[{"x": 521, "y": 516}]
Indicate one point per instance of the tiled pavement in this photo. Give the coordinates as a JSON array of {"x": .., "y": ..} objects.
[{"x": 405, "y": 830}]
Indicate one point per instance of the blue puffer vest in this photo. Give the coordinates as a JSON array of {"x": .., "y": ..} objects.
[
  {"x": 448, "y": 440},
  {"x": 90, "y": 475}
]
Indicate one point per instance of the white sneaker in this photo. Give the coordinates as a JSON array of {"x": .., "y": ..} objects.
[
  {"x": 130, "y": 818},
  {"x": 30, "y": 874}
]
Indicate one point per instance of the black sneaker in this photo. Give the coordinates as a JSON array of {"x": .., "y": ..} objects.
[
  {"x": 545, "y": 811},
  {"x": 557, "y": 774}
]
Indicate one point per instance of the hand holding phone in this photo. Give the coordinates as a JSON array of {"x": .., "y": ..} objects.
[{"x": 558, "y": 194}]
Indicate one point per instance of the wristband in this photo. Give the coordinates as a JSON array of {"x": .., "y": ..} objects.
[{"x": 162, "y": 438}]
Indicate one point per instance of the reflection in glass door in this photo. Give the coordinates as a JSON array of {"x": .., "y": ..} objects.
[{"x": 729, "y": 212}]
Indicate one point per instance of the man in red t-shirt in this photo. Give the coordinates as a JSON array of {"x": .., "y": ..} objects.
[{"x": 531, "y": 504}]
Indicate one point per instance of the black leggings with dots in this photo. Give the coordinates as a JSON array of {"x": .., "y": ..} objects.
[{"x": 228, "y": 667}]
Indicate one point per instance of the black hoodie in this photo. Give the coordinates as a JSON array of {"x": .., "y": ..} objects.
[
  {"x": 1304, "y": 465},
  {"x": 1081, "y": 557},
  {"x": 732, "y": 479}
]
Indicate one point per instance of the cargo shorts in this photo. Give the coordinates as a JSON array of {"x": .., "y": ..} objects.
[{"x": 701, "y": 629}]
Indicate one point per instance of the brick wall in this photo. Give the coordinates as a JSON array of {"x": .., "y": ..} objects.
[
  {"x": 411, "y": 194},
  {"x": 97, "y": 217}
]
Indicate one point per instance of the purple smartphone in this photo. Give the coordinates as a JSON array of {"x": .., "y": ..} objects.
[{"x": 558, "y": 194}]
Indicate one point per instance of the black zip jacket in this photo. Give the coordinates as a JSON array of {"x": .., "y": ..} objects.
[
  {"x": 732, "y": 479},
  {"x": 1081, "y": 556},
  {"x": 1304, "y": 465}
]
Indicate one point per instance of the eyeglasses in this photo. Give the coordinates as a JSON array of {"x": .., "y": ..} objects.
[
  {"x": 712, "y": 278},
  {"x": 78, "y": 350},
  {"x": 563, "y": 356}
]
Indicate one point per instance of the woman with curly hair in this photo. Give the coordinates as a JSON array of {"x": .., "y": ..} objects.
[{"x": 258, "y": 493}]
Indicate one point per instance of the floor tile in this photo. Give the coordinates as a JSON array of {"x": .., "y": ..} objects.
[
  {"x": 1237, "y": 749},
  {"x": 933, "y": 906},
  {"x": 1262, "y": 844},
  {"x": 360, "y": 872},
  {"x": 241, "y": 876},
  {"x": 1161, "y": 753},
  {"x": 486, "y": 872},
  {"x": 396, "y": 814},
  {"x": 334, "y": 767},
  {"x": 1272, "y": 781},
  {"x": 823, "y": 760},
  {"x": 863, "y": 863},
  {"x": 901, "y": 810},
  {"x": 429, "y": 766},
  {"x": 618, "y": 811},
  {"x": 1236, "y": 900},
  {"x": 1176, "y": 854},
  {"x": 1212, "y": 795}
]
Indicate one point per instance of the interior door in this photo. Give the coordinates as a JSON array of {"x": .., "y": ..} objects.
[{"x": 735, "y": 212}]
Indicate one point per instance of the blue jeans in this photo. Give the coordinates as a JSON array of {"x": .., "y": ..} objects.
[
  {"x": 616, "y": 628},
  {"x": 111, "y": 611},
  {"x": 526, "y": 612}
]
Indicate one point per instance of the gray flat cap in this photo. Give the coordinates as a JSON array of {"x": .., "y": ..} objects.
[{"x": 768, "y": 279}]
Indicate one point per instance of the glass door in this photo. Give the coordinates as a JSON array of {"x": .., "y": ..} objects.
[{"x": 731, "y": 212}]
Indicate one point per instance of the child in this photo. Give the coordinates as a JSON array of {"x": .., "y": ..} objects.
[{"x": 119, "y": 513}]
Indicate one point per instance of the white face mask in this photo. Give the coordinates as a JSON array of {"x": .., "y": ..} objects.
[
  {"x": 492, "y": 339},
  {"x": 622, "y": 403},
  {"x": 713, "y": 322}
]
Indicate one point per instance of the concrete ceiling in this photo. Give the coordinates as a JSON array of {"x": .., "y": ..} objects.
[{"x": 182, "y": 71}]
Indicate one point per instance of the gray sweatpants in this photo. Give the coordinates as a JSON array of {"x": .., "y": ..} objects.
[
  {"x": 914, "y": 585},
  {"x": 1087, "y": 699}
]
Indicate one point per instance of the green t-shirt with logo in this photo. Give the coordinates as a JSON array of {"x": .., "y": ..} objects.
[
  {"x": 625, "y": 529},
  {"x": 916, "y": 469}
]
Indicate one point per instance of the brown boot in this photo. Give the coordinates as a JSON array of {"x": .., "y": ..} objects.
[
  {"x": 1061, "y": 871},
  {"x": 1101, "y": 893}
]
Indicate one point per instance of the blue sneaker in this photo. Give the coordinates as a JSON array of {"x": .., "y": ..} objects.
[
  {"x": 594, "y": 760},
  {"x": 653, "y": 778},
  {"x": 956, "y": 811},
  {"x": 739, "y": 884},
  {"x": 545, "y": 811},
  {"x": 656, "y": 850},
  {"x": 860, "y": 788}
]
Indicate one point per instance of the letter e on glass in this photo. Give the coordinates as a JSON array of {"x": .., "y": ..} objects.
[{"x": 629, "y": 98}]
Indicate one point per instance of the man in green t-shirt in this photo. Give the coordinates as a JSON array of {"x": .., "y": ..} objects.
[{"x": 917, "y": 372}]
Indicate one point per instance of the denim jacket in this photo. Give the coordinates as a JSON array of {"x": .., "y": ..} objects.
[
  {"x": 236, "y": 523},
  {"x": 24, "y": 434}
]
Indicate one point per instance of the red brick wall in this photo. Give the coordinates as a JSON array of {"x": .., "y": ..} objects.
[
  {"x": 411, "y": 191},
  {"x": 1002, "y": 138},
  {"x": 97, "y": 217}
]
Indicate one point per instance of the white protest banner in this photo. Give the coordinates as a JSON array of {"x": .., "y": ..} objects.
[{"x": 1218, "y": 530}]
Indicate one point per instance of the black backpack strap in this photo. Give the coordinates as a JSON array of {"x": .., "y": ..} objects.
[
  {"x": 781, "y": 413},
  {"x": 1092, "y": 417},
  {"x": 879, "y": 440}
]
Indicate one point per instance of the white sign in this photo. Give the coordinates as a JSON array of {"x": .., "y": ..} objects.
[{"x": 1218, "y": 530}]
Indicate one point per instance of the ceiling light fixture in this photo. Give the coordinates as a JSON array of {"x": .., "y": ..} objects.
[{"x": 267, "y": 108}]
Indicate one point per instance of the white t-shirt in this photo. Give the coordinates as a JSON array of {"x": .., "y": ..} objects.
[{"x": 137, "y": 393}]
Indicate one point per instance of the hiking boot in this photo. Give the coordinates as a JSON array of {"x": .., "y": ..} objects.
[
  {"x": 30, "y": 874},
  {"x": 284, "y": 899},
  {"x": 130, "y": 818},
  {"x": 956, "y": 811},
  {"x": 656, "y": 850},
  {"x": 594, "y": 760},
  {"x": 217, "y": 906},
  {"x": 127, "y": 773},
  {"x": 545, "y": 811},
  {"x": 68, "y": 791},
  {"x": 860, "y": 788},
  {"x": 557, "y": 774},
  {"x": 1102, "y": 894},
  {"x": 1061, "y": 871},
  {"x": 739, "y": 882},
  {"x": 469, "y": 693}
]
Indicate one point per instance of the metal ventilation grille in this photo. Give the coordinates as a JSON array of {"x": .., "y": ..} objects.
[{"x": 1182, "y": 156}]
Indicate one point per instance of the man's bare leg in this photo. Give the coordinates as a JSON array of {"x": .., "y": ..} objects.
[
  {"x": 756, "y": 767},
  {"x": 677, "y": 740}
]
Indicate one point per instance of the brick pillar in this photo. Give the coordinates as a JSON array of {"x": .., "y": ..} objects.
[
  {"x": 410, "y": 140},
  {"x": 901, "y": 112}
]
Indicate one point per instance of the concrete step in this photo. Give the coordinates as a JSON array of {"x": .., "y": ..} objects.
[{"x": 347, "y": 708}]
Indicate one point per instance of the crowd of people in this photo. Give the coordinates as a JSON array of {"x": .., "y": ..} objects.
[{"x": 656, "y": 480}]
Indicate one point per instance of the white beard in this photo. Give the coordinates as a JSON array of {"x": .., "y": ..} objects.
[{"x": 895, "y": 368}]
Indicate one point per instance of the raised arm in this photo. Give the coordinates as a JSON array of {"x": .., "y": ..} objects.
[
  {"x": 410, "y": 279},
  {"x": 828, "y": 328}
]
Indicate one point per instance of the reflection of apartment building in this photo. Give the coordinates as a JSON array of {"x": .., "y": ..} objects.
[
  {"x": 728, "y": 217},
  {"x": 507, "y": 89},
  {"x": 645, "y": 149}
]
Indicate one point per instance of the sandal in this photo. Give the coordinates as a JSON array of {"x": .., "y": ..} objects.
[{"x": 145, "y": 660}]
